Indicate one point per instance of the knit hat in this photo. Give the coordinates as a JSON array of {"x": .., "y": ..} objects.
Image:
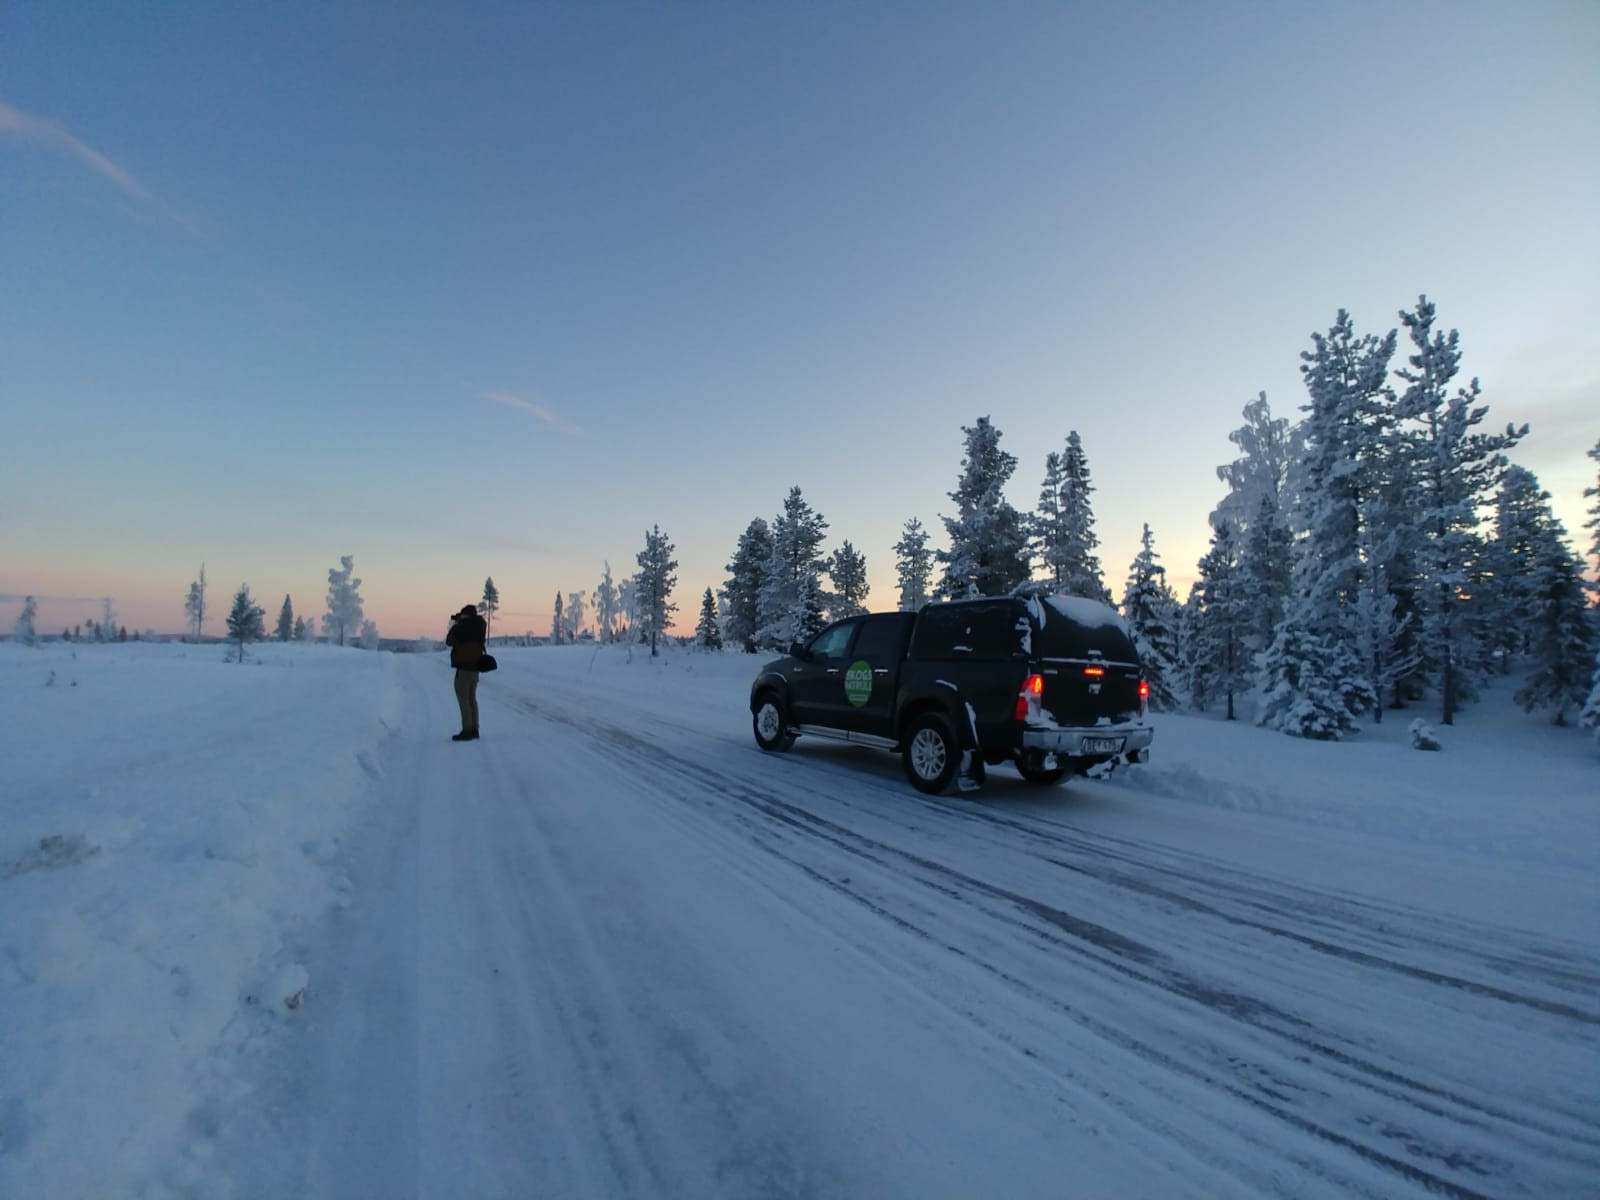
[{"x": 467, "y": 610}]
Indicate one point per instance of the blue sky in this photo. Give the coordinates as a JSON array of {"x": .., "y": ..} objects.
[{"x": 489, "y": 289}]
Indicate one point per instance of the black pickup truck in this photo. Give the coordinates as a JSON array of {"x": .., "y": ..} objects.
[{"x": 1050, "y": 683}]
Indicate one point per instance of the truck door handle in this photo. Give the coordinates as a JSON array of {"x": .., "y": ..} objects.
[
  {"x": 833, "y": 670},
  {"x": 880, "y": 670}
]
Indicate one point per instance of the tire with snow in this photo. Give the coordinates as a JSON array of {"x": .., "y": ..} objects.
[
  {"x": 770, "y": 724},
  {"x": 932, "y": 756}
]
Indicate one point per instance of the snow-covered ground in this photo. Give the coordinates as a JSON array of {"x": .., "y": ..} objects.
[{"x": 265, "y": 931}]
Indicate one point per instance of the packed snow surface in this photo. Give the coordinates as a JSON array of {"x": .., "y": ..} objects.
[{"x": 266, "y": 931}]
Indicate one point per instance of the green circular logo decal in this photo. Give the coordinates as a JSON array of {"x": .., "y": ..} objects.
[{"x": 858, "y": 682}]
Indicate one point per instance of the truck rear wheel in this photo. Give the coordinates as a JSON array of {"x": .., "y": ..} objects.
[
  {"x": 931, "y": 755},
  {"x": 771, "y": 726}
]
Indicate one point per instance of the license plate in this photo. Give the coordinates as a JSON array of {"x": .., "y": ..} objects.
[{"x": 1102, "y": 745}]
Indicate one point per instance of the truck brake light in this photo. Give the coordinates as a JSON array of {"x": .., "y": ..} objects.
[
  {"x": 1032, "y": 688},
  {"x": 1095, "y": 671}
]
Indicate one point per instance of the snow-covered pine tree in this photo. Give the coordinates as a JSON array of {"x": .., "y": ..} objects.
[
  {"x": 1195, "y": 682},
  {"x": 747, "y": 574},
  {"x": 1505, "y": 593},
  {"x": 605, "y": 605},
  {"x": 1047, "y": 530},
  {"x": 708, "y": 633},
  {"x": 558, "y": 627},
  {"x": 1590, "y": 717},
  {"x": 810, "y": 607},
  {"x": 244, "y": 620},
  {"x": 1259, "y": 477},
  {"x": 1593, "y": 523},
  {"x": 657, "y": 577},
  {"x": 194, "y": 606},
  {"x": 1454, "y": 471},
  {"x": 1263, "y": 580},
  {"x": 988, "y": 554},
  {"x": 1151, "y": 608},
  {"x": 913, "y": 566},
  {"x": 23, "y": 630},
  {"x": 627, "y": 608},
  {"x": 370, "y": 638},
  {"x": 1337, "y": 474},
  {"x": 303, "y": 632},
  {"x": 1561, "y": 638},
  {"x": 344, "y": 601},
  {"x": 1218, "y": 654},
  {"x": 1076, "y": 569},
  {"x": 573, "y": 615},
  {"x": 285, "y": 628},
  {"x": 794, "y": 573},
  {"x": 489, "y": 605},
  {"x": 847, "y": 568}
]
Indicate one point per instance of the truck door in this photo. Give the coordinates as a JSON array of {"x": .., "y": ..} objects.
[
  {"x": 816, "y": 684},
  {"x": 872, "y": 675}
]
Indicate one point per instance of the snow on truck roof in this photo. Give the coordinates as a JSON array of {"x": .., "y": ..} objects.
[{"x": 1080, "y": 610}]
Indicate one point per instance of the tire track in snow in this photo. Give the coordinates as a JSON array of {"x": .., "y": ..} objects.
[{"x": 1566, "y": 1135}]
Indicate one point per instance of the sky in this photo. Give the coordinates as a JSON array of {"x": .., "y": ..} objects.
[
  {"x": 613, "y": 949},
  {"x": 494, "y": 290}
]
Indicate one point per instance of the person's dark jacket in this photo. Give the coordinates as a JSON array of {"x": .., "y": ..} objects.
[{"x": 466, "y": 639}]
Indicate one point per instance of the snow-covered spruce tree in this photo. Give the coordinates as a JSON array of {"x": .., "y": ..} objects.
[
  {"x": 847, "y": 568},
  {"x": 303, "y": 631},
  {"x": 747, "y": 574},
  {"x": 708, "y": 633},
  {"x": 194, "y": 606},
  {"x": 370, "y": 638},
  {"x": 489, "y": 605},
  {"x": 1344, "y": 428},
  {"x": 657, "y": 577},
  {"x": 23, "y": 630},
  {"x": 558, "y": 627},
  {"x": 244, "y": 620},
  {"x": 1072, "y": 564},
  {"x": 1561, "y": 638},
  {"x": 1454, "y": 471},
  {"x": 794, "y": 575},
  {"x": 344, "y": 602},
  {"x": 988, "y": 554},
  {"x": 1151, "y": 608},
  {"x": 810, "y": 607},
  {"x": 285, "y": 628},
  {"x": 1217, "y": 654},
  {"x": 913, "y": 563},
  {"x": 605, "y": 605}
]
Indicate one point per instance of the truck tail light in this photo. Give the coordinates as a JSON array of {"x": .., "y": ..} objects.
[
  {"x": 1144, "y": 696},
  {"x": 1028, "y": 697}
]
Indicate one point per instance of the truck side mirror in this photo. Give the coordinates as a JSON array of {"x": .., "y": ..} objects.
[{"x": 798, "y": 650}]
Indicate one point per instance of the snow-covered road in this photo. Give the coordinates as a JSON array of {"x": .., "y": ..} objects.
[{"x": 614, "y": 950}]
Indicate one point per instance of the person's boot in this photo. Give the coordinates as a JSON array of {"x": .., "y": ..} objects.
[{"x": 463, "y": 736}]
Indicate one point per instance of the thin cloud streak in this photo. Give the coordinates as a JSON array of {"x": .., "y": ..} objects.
[
  {"x": 24, "y": 127},
  {"x": 557, "y": 422}
]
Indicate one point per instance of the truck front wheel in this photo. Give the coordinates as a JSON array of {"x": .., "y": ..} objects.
[
  {"x": 772, "y": 729},
  {"x": 932, "y": 755}
]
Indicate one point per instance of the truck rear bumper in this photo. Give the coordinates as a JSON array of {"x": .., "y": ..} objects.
[{"x": 1101, "y": 741}]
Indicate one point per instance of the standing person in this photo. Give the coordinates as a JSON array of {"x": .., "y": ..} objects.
[{"x": 466, "y": 640}]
